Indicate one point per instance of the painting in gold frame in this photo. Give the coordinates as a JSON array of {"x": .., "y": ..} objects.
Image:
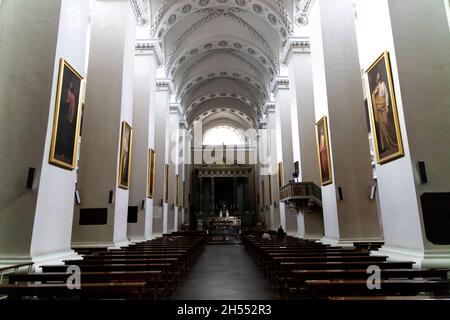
[
  {"x": 323, "y": 152},
  {"x": 280, "y": 175},
  {"x": 177, "y": 196},
  {"x": 151, "y": 172},
  {"x": 383, "y": 110},
  {"x": 166, "y": 183},
  {"x": 125, "y": 156},
  {"x": 66, "y": 120}
]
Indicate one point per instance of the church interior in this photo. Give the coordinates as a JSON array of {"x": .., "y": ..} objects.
[{"x": 225, "y": 150}]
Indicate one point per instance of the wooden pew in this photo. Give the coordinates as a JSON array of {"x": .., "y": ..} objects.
[
  {"x": 297, "y": 278},
  {"x": 326, "y": 288},
  {"x": 110, "y": 290},
  {"x": 152, "y": 279}
]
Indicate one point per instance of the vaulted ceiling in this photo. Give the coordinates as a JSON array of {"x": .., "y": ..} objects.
[{"x": 222, "y": 55}]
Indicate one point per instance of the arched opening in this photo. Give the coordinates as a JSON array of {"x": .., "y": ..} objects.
[{"x": 223, "y": 135}]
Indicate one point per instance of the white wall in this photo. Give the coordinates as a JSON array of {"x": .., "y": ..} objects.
[
  {"x": 109, "y": 98},
  {"x": 36, "y": 222},
  {"x": 23, "y": 114},
  {"x": 55, "y": 203}
]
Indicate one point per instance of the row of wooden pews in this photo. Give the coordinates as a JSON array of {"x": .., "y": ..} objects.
[
  {"x": 148, "y": 270},
  {"x": 302, "y": 269}
]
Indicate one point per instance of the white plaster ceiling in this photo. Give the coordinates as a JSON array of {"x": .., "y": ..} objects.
[{"x": 222, "y": 54}]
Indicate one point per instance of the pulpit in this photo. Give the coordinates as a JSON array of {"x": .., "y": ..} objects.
[{"x": 301, "y": 195}]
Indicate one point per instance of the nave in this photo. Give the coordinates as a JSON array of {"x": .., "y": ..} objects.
[
  {"x": 151, "y": 149},
  {"x": 181, "y": 266}
]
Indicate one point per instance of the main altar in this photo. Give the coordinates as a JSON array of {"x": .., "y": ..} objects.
[{"x": 224, "y": 228}]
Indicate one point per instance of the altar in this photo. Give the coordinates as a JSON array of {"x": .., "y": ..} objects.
[{"x": 224, "y": 229}]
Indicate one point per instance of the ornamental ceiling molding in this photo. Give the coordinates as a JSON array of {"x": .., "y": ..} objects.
[
  {"x": 149, "y": 47},
  {"x": 303, "y": 8},
  {"x": 295, "y": 45},
  {"x": 233, "y": 112},
  {"x": 238, "y": 45},
  {"x": 281, "y": 83},
  {"x": 211, "y": 15},
  {"x": 276, "y": 14},
  {"x": 269, "y": 108},
  {"x": 249, "y": 90},
  {"x": 217, "y": 95},
  {"x": 141, "y": 10},
  {"x": 260, "y": 78},
  {"x": 164, "y": 85}
]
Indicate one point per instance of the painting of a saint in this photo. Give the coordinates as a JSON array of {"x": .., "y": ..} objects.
[
  {"x": 383, "y": 110},
  {"x": 323, "y": 151},
  {"x": 151, "y": 173},
  {"x": 125, "y": 156},
  {"x": 66, "y": 124}
]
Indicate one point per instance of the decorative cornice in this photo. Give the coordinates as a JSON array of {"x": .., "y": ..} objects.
[
  {"x": 280, "y": 83},
  {"x": 269, "y": 108},
  {"x": 149, "y": 47},
  {"x": 141, "y": 10},
  {"x": 303, "y": 8},
  {"x": 175, "y": 108},
  {"x": 164, "y": 85},
  {"x": 295, "y": 45}
]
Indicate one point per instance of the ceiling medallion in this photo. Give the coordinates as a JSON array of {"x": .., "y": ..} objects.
[
  {"x": 257, "y": 8},
  {"x": 204, "y": 2},
  {"x": 186, "y": 9},
  {"x": 241, "y": 2}
]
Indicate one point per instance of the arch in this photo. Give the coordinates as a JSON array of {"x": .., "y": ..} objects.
[{"x": 261, "y": 9}]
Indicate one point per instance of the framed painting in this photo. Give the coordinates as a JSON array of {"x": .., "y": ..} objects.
[
  {"x": 125, "y": 156},
  {"x": 66, "y": 120},
  {"x": 151, "y": 173},
  {"x": 323, "y": 152},
  {"x": 166, "y": 184},
  {"x": 280, "y": 175},
  {"x": 383, "y": 111},
  {"x": 177, "y": 196}
]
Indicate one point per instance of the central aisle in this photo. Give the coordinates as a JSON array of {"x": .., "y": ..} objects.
[{"x": 225, "y": 272}]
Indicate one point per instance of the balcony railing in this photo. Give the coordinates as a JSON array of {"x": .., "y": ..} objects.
[{"x": 301, "y": 195}]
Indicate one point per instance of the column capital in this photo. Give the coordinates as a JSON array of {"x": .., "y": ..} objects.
[
  {"x": 280, "y": 83},
  {"x": 262, "y": 123},
  {"x": 149, "y": 47},
  {"x": 141, "y": 10},
  {"x": 269, "y": 108},
  {"x": 164, "y": 85},
  {"x": 295, "y": 45},
  {"x": 175, "y": 108}
]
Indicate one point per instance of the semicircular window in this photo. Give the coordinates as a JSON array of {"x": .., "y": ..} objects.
[{"x": 223, "y": 135}]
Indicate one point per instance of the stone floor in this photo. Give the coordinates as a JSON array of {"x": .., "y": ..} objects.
[{"x": 225, "y": 272}]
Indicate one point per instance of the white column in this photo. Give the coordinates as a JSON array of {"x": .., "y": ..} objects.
[
  {"x": 173, "y": 142},
  {"x": 162, "y": 103},
  {"x": 338, "y": 95},
  {"x": 417, "y": 37},
  {"x": 109, "y": 103},
  {"x": 146, "y": 64},
  {"x": 285, "y": 119},
  {"x": 36, "y": 223},
  {"x": 298, "y": 59},
  {"x": 277, "y": 214}
]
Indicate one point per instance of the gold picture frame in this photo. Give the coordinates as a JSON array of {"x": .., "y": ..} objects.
[
  {"x": 126, "y": 143},
  {"x": 323, "y": 152},
  {"x": 280, "y": 175},
  {"x": 383, "y": 110},
  {"x": 166, "y": 183},
  {"x": 151, "y": 173},
  {"x": 67, "y": 117},
  {"x": 177, "y": 196}
]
